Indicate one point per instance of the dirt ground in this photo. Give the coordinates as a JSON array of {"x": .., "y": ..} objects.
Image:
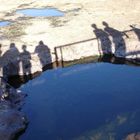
[{"x": 74, "y": 26}]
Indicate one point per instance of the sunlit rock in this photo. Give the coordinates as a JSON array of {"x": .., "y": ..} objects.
[{"x": 133, "y": 136}]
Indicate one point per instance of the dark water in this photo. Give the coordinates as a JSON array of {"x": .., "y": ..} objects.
[
  {"x": 99, "y": 101},
  {"x": 41, "y": 12}
]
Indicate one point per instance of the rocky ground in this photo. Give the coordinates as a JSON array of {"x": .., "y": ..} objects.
[
  {"x": 75, "y": 25},
  {"x": 133, "y": 136},
  {"x": 12, "y": 121}
]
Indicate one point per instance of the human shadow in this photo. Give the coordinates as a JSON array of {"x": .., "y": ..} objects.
[
  {"x": 11, "y": 60},
  {"x": 118, "y": 40},
  {"x": 1, "y": 60},
  {"x": 0, "y": 50},
  {"x": 104, "y": 43},
  {"x": 25, "y": 66},
  {"x": 25, "y": 59},
  {"x": 136, "y": 31},
  {"x": 44, "y": 54},
  {"x": 110, "y": 58}
]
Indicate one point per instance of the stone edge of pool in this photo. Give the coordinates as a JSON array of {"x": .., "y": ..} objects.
[
  {"x": 12, "y": 120},
  {"x": 35, "y": 61}
]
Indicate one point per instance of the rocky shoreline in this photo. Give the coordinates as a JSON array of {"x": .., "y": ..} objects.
[{"x": 12, "y": 120}]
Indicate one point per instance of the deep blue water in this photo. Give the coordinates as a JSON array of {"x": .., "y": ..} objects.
[
  {"x": 83, "y": 101},
  {"x": 41, "y": 12}
]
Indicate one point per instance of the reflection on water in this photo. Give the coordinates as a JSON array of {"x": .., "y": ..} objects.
[
  {"x": 97, "y": 101},
  {"x": 4, "y": 23},
  {"x": 41, "y": 12},
  {"x": 115, "y": 129}
]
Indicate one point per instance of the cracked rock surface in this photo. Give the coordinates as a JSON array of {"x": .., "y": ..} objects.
[{"x": 12, "y": 121}]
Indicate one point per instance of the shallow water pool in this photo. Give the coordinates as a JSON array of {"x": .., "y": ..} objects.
[
  {"x": 4, "y": 23},
  {"x": 98, "y": 101},
  {"x": 41, "y": 12}
]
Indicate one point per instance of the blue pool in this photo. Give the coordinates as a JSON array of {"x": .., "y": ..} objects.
[
  {"x": 99, "y": 101},
  {"x": 50, "y": 12},
  {"x": 4, "y": 23}
]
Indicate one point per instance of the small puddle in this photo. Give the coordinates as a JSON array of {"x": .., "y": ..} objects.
[
  {"x": 41, "y": 12},
  {"x": 4, "y": 23}
]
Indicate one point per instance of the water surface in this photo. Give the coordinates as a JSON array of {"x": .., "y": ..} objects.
[
  {"x": 41, "y": 12},
  {"x": 4, "y": 23},
  {"x": 82, "y": 102}
]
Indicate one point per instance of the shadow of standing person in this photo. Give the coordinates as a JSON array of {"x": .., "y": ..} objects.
[
  {"x": 0, "y": 50},
  {"x": 11, "y": 60},
  {"x": 44, "y": 54},
  {"x": 104, "y": 43},
  {"x": 1, "y": 60},
  {"x": 25, "y": 59},
  {"x": 136, "y": 31},
  {"x": 117, "y": 36}
]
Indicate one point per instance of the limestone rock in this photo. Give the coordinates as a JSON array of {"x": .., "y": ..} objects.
[
  {"x": 133, "y": 136},
  {"x": 12, "y": 121}
]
